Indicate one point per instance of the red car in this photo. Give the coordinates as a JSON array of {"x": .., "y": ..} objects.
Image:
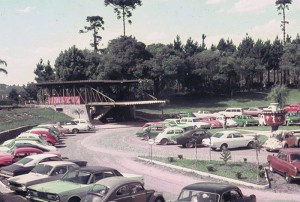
[
  {"x": 286, "y": 163},
  {"x": 46, "y": 135},
  {"x": 10, "y": 157},
  {"x": 214, "y": 123},
  {"x": 292, "y": 107}
]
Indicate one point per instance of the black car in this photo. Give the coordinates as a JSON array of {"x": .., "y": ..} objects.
[
  {"x": 122, "y": 189},
  {"x": 191, "y": 137},
  {"x": 213, "y": 192}
]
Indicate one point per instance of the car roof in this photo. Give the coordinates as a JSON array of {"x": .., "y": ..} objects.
[
  {"x": 210, "y": 187},
  {"x": 228, "y": 131},
  {"x": 116, "y": 181},
  {"x": 95, "y": 169},
  {"x": 41, "y": 156},
  {"x": 58, "y": 163}
]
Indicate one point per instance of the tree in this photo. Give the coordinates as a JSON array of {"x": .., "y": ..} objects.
[
  {"x": 44, "y": 72},
  {"x": 30, "y": 91},
  {"x": 96, "y": 23},
  {"x": 2, "y": 62},
  {"x": 13, "y": 95},
  {"x": 71, "y": 65},
  {"x": 78, "y": 111},
  {"x": 225, "y": 155},
  {"x": 123, "y": 9},
  {"x": 279, "y": 95},
  {"x": 282, "y": 5}
]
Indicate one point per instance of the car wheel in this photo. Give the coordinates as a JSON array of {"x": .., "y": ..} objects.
[
  {"x": 183, "y": 145},
  {"x": 164, "y": 141},
  {"x": 288, "y": 178},
  {"x": 75, "y": 131},
  {"x": 271, "y": 168},
  {"x": 146, "y": 137},
  {"x": 189, "y": 145},
  {"x": 250, "y": 145},
  {"x": 285, "y": 146},
  {"x": 212, "y": 148},
  {"x": 74, "y": 199},
  {"x": 224, "y": 147},
  {"x": 159, "y": 200}
]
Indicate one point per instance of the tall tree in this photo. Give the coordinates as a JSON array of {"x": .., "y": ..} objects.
[
  {"x": 283, "y": 5},
  {"x": 2, "y": 62},
  {"x": 96, "y": 23},
  {"x": 44, "y": 72},
  {"x": 70, "y": 65},
  {"x": 123, "y": 9}
]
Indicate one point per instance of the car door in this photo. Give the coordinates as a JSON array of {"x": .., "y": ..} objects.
[
  {"x": 229, "y": 141},
  {"x": 123, "y": 194},
  {"x": 239, "y": 140},
  {"x": 138, "y": 193}
]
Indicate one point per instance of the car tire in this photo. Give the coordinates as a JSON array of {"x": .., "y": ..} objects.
[
  {"x": 189, "y": 145},
  {"x": 146, "y": 137},
  {"x": 223, "y": 147},
  {"x": 250, "y": 145},
  {"x": 285, "y": 146},
  {"x": 159, "y": 200},
  {"x": 164, "y": 141},
  {"x": 271, "y": 168},
  {"x": 74, "y": 199},
  {"x": 214, "y": 149},
  {"x": 288, "y": 178},
  {"x": 75, "y": 131}
]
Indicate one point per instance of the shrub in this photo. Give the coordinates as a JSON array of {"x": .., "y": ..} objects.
[
  {"x": 238, "y": 175},
  {"x": 210, "y": 167},
  {"x": 180, "y": 156},
  {"x": 170, "y": 159}
]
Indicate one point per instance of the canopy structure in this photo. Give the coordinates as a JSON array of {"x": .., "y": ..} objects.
[{"x": 95, "y": 92}]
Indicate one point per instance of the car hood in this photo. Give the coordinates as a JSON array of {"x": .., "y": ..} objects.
[
  {"x": 57, "y": 187},
  {"x": 3, "y": 148},
  {"x": 23, "y": 179}
]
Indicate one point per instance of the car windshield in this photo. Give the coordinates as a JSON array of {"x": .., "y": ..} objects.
[
  {"x": 196, "y": 120},
  {"x": 218, "y": 135},
  {"x": 295, "y": 157},
  {"x": 24, "y": 161},
  {"x": 77, "y": 176},
  {"x": 42, "y": 169},
  {"x": 193, "y": 195}
]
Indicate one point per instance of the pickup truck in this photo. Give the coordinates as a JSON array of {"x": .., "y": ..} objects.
[{"x": 286, "y": 163}]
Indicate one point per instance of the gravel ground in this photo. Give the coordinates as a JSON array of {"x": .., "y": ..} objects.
[{"x": 116, "y": 145}]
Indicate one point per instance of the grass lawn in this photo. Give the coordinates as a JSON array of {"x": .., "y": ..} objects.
[
  {"x": 248, "y": 170},
  {"x": 28, "y": 116}
]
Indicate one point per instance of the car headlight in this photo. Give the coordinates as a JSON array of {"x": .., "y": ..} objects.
[{"x": 53, "y": 197}]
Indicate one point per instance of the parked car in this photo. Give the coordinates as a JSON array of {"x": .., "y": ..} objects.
[
  {"x": 292, "y": 119},
  {"x": 292, "y": 107},
  {"x": 52, "y": 129},
  {"x": 201, "y": 114},
  {"x": 74, "y": 127},
  {"x": 42, "y": 172},
  {"x": 281, "y": 139},
  {"x": 231, "y": 112},
  {"x": 46, "y": 135},
  {"x": 16, "y": 154},
  {"x": 229, "y": 121},
  {"x": 169, "y": 135},
  {"x": 172, "y": 122},
  {"x": 26, "y": 164},
  {"x": 121, "y": 189},
  {"x": 286, "y": 163},
  {"x": 212, "y": 120},
  {"x": 152, "y": 131},
  {"x": 229, "y": 140},
  {"x": 253, "y": 111},
  {"x": 215, "y": 192},
  {"x": 189, "y": 138},
  {"x": 85, "y": 122},
  {"x": 267, "y": 109},
  {"x": 245, "y": 120},
  {"x": 73, "y": 186},
  {"x": 195, "y": 121}
]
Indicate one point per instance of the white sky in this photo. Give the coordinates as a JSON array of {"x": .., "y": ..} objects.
[{"x": 35, "y": 29}]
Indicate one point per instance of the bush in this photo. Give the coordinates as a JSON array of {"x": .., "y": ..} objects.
[
  {"x": 170, "y": 159},
  {"x": 210, "y": 167},
  {"x": 238, "y": 175}
]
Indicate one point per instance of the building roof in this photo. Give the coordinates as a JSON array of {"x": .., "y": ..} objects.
[{"x": 90, "y": 82}]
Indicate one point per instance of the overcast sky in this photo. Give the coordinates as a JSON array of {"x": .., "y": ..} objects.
[{"x": 35, "y": 29}]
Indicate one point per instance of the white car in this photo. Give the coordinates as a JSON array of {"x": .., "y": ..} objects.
[
  {"x": 84, "y": 122},
  {"x": 42, "y": 172},
  {"x": 76, "y": 128},
  {"x": 228, "y": 140},
  {"x": 169, "y": 135},
  {"x": 196, "y": 122},
  {"x": 229, "y": 122},
  {"x": 232, "y": 112}
]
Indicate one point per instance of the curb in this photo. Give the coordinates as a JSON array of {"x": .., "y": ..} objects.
[{"x": 207, "y": 174}]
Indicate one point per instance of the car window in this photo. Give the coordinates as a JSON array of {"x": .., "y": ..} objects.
[
  {"x": 124, "y": 190},
  {"x": 170, "y": 132},
  {"x": 283, "y": 157},
  {"x": 178, "y": 131},
  {"x": 59, "y": 170},
  {"x": 295, "y": 157},
  {"x": 135, "y": 187},
  {"x": 24, "y": 161},
  {"x": 237, "y": 135},
  {"x": 229, "y": 136}
]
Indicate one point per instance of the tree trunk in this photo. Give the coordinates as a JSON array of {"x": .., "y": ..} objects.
[{"x": 123, "y": 20}]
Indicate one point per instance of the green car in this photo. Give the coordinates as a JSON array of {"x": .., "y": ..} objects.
[
  {"x": 245, "y": 120},
  {"x": 292, "y": 119},
  {"x": 72, "y": 187}
]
